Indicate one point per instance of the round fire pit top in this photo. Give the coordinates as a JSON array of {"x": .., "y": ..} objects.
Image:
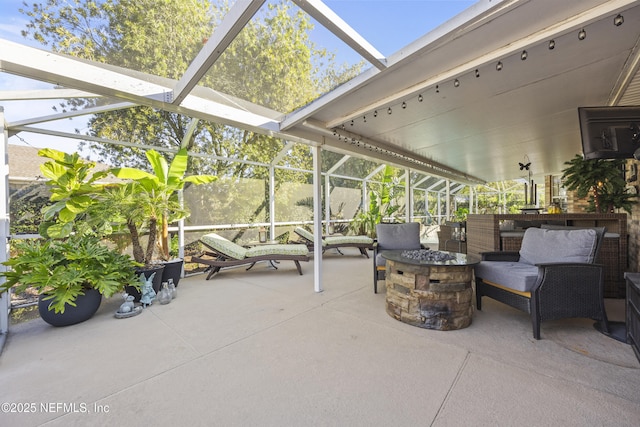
[{"x": 429, "y": 257}]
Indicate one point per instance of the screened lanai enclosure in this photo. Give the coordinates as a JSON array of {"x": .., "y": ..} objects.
[{"x": 299, "y": 106}]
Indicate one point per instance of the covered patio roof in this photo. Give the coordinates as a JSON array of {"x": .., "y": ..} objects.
[{"x": 467, "y": 101}]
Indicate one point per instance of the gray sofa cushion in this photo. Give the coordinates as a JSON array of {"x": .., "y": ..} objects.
[
  {"x": 546, "y": 246},
  {"x": 519, "y": 276}
]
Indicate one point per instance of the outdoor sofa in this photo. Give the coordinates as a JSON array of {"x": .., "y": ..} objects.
[
  {"x": 224, "y": 253},
  {"x": 553, "y": 276},
  {"x": 363, "y": 243}
]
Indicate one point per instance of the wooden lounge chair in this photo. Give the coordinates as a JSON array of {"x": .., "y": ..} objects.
[
  {"x": 224, "y": 253},
  {"x": 336, "y": 242}
]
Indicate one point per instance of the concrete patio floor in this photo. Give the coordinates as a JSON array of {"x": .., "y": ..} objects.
[{"x": 261, "y": 348}]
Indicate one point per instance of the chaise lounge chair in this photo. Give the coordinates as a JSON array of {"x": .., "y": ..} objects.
[
  {"x": 224, "y": 253},
  {"x": 336, "y": 242}
]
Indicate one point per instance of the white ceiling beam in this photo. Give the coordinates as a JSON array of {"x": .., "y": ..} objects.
[
  {"x": 278, "y": 157},
  {"x": 92, "y": 77},
  {"x": 332, "y": 22},
  {"x": 338, "y": 164},
  {"x": 72, "y": 114},
  {"x": 421, "y": 180},
  {"x": 375, "y": 172},
  {"x": 234, "y": 21},
  {"x": 34, "y": 95},
  {"x": 436, "y": 184},
  {"x": 191, "y": 129}
]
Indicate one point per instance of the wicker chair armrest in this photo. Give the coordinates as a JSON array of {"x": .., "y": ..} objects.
[
  {"x": 500, "y": 256},
  {"x": 561, "y": 279}
]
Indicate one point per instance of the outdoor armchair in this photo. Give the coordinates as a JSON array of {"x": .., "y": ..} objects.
[
  {"x": 390, "y": 237},
  {"x": 553, "y": 276}
]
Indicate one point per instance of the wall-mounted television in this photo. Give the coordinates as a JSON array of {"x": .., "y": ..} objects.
[{"x": 609, "y": 132}]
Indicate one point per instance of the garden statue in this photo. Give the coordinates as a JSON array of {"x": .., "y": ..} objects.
[
  {"x": 148, "y": 294},
  {"x": 127, "y": 306}
]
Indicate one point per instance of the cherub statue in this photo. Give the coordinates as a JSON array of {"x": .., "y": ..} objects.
[{"x": 148, "y": 294}]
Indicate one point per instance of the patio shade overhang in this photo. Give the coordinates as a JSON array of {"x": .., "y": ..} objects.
[{"x": 440, "y": 105}]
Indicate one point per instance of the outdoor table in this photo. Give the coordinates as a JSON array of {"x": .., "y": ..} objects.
[{"x": 431, "y": 294}]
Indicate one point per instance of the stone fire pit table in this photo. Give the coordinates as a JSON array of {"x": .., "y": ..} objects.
[{"x": 430, "y": 289}]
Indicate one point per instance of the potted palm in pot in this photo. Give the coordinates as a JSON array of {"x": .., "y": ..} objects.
[{"x": 150, "y": 201}]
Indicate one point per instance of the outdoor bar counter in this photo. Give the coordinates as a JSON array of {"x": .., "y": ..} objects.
[{"x": 503, "y": 232}]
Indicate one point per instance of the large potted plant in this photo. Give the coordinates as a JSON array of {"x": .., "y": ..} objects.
[
  {"x": 150, "y": 202},
  {"x": 70, "y": 267},
  {"x": 142, "y": 202},
  {"x": 601, "y": 181},
  {"x": 71, "y": 275}
]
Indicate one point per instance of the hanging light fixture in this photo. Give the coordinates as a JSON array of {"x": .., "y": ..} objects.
[
  {"x": 404, "y": 105},
  {"x": 389, "y": 111},
  {"x": 552, "y": 44},
  {"x": 420, "y": 99},
  {"x": 582, "y": 34},
  {"x": 499, "y": 66},
  {"x": 375, "y": 113},
  {"x": 524, "y": 55},
  {"x": 618, "y": 20},
  {"x": 477, "y": 73},
  {"x": 456, "y": 83},
  {"x": 437, "y": 89}
]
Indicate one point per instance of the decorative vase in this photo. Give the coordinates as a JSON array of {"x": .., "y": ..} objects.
[
  {"x": 86, "y": 307},
  {"x": 164, "y": 296}
]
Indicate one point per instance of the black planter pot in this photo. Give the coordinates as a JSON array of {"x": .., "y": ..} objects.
[
  {"x": 172, "y": 270},
  {"x": 157, "y": 280},
  {"x": 86, "y": 307}
]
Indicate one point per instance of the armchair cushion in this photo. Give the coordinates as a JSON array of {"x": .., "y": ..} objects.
[
  {"x": 518, "y": 276},
  {"x": 396, "y": 236},
  {"x": 541, "y": 246}
]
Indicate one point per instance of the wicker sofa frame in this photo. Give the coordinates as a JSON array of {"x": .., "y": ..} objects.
[{"x": 561, "y": 290}]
